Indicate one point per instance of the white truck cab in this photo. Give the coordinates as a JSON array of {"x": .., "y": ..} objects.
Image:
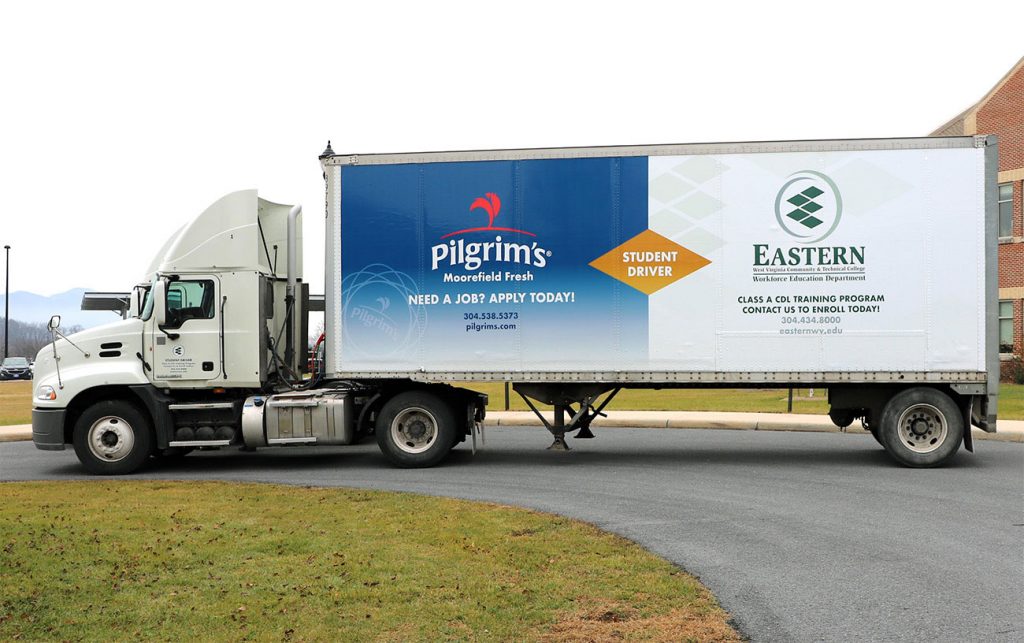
[{"x": 205, "y": 330}]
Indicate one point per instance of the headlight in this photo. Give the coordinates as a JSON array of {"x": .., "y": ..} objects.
[{"x": 46, "y": 393}]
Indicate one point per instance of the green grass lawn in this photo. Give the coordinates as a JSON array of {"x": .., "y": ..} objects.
[
  {"x": 130, "y": 560},
  {"x": 763, "y": 400},
  {"x": 753, "y": 400},
  {"x": 1011, "y": 401},
  {"x": 15, "y": 402}
]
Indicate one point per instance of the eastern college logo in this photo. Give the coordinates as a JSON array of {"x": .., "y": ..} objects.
[
  {"x": 809, "y": 206},
  {"x": 471, "y": 255}
]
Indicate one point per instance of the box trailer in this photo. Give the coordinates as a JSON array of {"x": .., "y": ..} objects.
[{"x": 867, "y": 267}]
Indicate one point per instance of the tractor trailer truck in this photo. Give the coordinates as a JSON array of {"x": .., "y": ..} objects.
[{"x": 867, "y": 267}]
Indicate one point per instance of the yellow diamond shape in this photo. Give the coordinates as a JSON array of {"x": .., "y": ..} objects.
[{"x": 649, "y": 262}]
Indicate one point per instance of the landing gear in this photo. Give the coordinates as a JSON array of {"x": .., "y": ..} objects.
[
  {"x": 559, "y": 443},
  {"x": 562, "y": 398}
]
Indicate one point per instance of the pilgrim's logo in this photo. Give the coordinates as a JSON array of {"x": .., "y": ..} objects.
[{"x": 471, "y": 255}]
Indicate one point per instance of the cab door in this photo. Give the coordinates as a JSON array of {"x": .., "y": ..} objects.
[{"x": 187, "y": 347}]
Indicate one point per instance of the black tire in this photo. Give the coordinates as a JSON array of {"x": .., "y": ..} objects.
[
  {"x": 416, "y": 429},
  {"x": 112, "y": 438},
  {"x": 921, "y": 427}
]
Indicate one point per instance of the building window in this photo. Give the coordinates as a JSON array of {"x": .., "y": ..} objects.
[
  {"x": 1005, "y": 326},
  {"x": 1006, "y": 210}
]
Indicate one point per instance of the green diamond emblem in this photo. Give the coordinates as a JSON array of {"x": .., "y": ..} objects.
[{"x": 797, "y": 201}]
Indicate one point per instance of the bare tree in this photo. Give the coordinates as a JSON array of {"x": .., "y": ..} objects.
[{"x": 27, "y": 338}]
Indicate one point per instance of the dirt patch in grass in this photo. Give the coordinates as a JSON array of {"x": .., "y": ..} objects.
[{"x": 617, "y": 621}]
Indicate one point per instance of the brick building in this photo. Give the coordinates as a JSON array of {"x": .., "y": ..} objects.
[{"x": 1001, "y": 112}]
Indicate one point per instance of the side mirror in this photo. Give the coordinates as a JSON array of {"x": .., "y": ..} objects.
[
  {"x": 160, "y": 302},
  {"x": 53, "y": 324}
]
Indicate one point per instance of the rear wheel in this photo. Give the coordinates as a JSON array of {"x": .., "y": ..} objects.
[
  {"x": 921, "y": 427},
  {"x": 416, "y": 429},
  {"x": 112, "y": 438}
]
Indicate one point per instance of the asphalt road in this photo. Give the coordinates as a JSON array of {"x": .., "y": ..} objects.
[{"x": 801, "y": 536}]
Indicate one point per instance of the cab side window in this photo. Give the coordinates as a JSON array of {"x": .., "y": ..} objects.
[{"x": 189, "y": 299}]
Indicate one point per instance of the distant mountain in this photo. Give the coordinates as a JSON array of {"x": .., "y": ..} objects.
[{"x": 32, "y": 308}]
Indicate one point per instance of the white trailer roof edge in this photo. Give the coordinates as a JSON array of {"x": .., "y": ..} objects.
[{"x": 750, "y": 147}]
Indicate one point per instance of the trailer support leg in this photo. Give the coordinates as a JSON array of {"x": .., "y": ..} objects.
[
  {"x": 584, "y": 432},
  {"x": 579, "y": 420},
  {"x": 559, "y": 430},
  {"x": 588, "y": 413}
]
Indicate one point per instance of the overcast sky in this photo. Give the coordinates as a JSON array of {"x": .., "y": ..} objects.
[{"x": 123, "y": 121}]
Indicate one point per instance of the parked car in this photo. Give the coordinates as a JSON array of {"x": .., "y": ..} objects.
[{"x": 15, "y": 368}]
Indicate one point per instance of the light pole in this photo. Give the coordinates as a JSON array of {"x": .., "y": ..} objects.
[{"x": 7, "y": 296}]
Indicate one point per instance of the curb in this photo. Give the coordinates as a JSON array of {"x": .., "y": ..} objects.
[
  {"x": 15, "y": 433},
  {"x": 715, "y": 421}
]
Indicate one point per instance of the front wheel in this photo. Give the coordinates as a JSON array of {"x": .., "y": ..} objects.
[
  {"x": 112, "y": 438},
  {"x": 921, "y": 427},
  {"x": 416, "y": 429}
]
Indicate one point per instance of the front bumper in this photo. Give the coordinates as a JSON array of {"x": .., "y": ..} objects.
[
  {"x": 48, "y": 429},
  {"x": 19, "y": 375}
]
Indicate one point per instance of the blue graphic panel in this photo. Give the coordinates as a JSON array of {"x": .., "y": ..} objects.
[{"x": 484, "y": 266}]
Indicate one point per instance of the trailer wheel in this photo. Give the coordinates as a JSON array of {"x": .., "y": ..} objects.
[
  {"x": 112, "y": 438},
  {"x": 921, "y": 427},
  {"x": 416, "y": 429}
]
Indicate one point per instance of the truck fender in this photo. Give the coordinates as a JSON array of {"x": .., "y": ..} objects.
[{"x": 156, "y": 403}]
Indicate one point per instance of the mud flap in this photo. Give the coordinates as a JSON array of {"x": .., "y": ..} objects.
[{"x": 968, "y": 414}]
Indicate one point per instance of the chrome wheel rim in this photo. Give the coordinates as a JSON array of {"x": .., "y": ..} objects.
[
  {"x": 922, "y": 428},
  {"x": 414, "y": 430},
  {"x": 111, "y": 438}
]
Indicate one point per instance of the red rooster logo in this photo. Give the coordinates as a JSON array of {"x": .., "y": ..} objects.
[{"x": 491, "y": 204}]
